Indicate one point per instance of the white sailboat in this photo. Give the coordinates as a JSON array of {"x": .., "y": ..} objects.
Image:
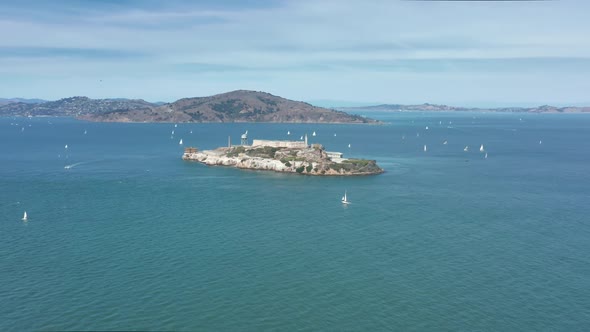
[
  {"x": 175, "y": 125},
  {"x": 334, "y": 134},
  {"x": 540, "y": 142},
  {"x": 288, "y": 132},
  {"x": 481, "y": 148},
  {"x": 66, "y": 146},
  {"x": 313, "y": 134},
  {"x": 173, "y": 132},
  {"x": 424, "y": 147},
  {"x": 426, "y": 127},
  {"x": 349, "y": 145},
  {"x": 486, "y": 156},
  {"x": 180, "y": 143},
  {"x": 25, "y": 218},
  {"x": 85, "y": 132},
  {"x": 466, "y": 148},
  {"x": 344, "y": 199},
  {"x": 445, "y": 142},
  {"x": 191, "y": 131},
  {"x": 301, "y": 138}
]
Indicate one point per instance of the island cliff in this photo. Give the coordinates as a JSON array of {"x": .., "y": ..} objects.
[{"x": 284, "y": 156}]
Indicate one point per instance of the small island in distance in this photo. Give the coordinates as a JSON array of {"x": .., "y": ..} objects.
[{"x": 283, "y": 156}]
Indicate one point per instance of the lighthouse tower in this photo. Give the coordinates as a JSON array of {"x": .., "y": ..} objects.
[{"x": 244, "y": 138}]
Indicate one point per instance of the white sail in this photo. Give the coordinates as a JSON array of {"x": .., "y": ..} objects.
[
  {"x": 66, "y": 146},
  {"x": 180, "y": 143},
  {"x": 445, "y": 142},
  {"x": 426, "y": 127},
  {"x": 486, "y": 156},
  {"x": 344, "y": 199},
  {"x": 173, "y": 132},
  {"x": 424, "y": 147},
  {"x": 481, "y": 148},
  {"x": 348, "y": 145},
  {"x": 301, "y": 138},
  {"x": 313, "y": 134},
  {"x": 466, "y": 148},
  {"x": 334, "y": 134},
  {"x": 175, "y": 125},
  {"x": 288, "y": 133},
  {"x": 25, "y": 216},
  {"x": 85, "y": 132}
]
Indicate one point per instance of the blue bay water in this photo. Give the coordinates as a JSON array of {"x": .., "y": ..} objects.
[{"x": 132, "y": 237}]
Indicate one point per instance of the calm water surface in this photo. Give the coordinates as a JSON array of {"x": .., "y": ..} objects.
[{"x": 132, "y": 237}]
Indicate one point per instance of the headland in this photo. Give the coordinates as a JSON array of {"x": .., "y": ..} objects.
[{"x": 283, "y": 156}]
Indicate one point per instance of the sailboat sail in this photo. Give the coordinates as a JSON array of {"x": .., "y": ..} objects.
[{"x": 344, "y": 199}]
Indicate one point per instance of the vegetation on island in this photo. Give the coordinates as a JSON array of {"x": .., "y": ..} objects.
[{"x": 362, "y": 165}]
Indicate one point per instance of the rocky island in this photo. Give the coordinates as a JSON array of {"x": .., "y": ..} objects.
[{"x": 284, "y": 156}]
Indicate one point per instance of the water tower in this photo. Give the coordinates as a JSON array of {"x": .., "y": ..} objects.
[{"x": 244, "y": 138}]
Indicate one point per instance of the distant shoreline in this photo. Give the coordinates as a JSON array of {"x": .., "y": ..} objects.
[
  {"x": 179, "y": 122},
  {"x": 544, "y": 109},
  {"x": 234, "y": 106}
]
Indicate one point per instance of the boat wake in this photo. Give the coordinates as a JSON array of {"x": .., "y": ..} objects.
[{"x": 74, "y": 165}]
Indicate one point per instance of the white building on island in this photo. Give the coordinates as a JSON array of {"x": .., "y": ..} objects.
[{"x": 281, "y": 144}]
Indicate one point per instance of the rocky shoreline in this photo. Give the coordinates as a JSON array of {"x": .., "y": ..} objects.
[{"x": 312, "y": 160}]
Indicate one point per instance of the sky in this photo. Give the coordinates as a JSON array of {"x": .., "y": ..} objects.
[{"x": 464, "y": 53}]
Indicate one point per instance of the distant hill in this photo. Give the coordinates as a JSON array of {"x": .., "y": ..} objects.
[
  {"x": 235, "y": 106},
  {"x": 445, "y": 108},
  {"x": 4, "y": 101},
  {"x": 74, "y": 106}
]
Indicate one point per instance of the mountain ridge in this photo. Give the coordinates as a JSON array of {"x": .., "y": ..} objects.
[{"x": 233, "y": 106}]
